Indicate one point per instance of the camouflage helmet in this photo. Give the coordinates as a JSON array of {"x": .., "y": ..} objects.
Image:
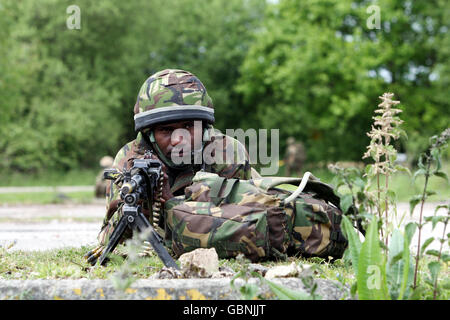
[{"x": 172, "y": 95}]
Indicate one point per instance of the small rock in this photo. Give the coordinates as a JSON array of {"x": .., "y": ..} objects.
[
  {"x": 305, "y": 270},
  {"x": 224, "y": 272},
  {"x": 258, "y": 268},
  {"x": 167, "y": 273},
  {"x": 200, "y": 263},
  {"x": 289, "y": 271}
]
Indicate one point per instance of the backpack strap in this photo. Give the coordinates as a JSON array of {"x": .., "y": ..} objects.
[
  {"x": 214, "y": 189},
  {"x": 221, "y": 183},
  {"x": 228, "y": 188}
]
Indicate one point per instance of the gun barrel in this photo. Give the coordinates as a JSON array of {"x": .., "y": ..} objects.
[
  {"x": 127, "y": 188},
  {"x": 132, "y": 185}
]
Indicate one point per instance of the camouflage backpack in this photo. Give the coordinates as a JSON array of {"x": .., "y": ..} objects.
[{"x": 250, "y": 217}]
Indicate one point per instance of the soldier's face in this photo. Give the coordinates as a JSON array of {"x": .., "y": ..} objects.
[{"x": 173, "y": 138}]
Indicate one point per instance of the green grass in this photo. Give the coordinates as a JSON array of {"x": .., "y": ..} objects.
[
  {"x": 79, "y": 197},
  {"x": 79, "y": 177},
  {"x": 68, "y": 263}
]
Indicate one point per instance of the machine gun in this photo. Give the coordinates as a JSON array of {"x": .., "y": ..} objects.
[{"x": 139, "y": 183}]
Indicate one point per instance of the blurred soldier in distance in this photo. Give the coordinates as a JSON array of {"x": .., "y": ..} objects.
[
  {"x": 100, "y": 183},
  {"x": 294, "y": 158}
]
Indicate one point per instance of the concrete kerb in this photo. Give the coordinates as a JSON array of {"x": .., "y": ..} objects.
[{"x": 158, "y": 289}]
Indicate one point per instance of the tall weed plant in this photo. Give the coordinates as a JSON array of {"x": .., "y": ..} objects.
[{"x": 383, "y": 263}]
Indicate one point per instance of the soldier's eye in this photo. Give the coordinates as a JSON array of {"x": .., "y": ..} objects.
[
  {"x": 165, "y": 129},
  {"x": 189, "y": 125}
]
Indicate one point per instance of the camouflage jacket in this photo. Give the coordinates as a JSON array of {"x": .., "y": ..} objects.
[{"x": 238, "y": 167}]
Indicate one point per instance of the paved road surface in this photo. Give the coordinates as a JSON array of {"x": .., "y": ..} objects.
[{"x": 41, "y": 227}]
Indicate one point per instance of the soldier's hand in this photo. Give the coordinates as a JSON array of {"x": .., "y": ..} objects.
[{"x": 166, "y": 193}]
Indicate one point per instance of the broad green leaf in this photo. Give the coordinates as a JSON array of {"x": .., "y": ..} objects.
[
  {"x": 359, "y": 182},
  {"x": 400, "y": 267},
  {"x": 417, "y": 292},
  {"x": 420, "y": 163},
  {"x": 396, "y": 258},
  {"x": 441, "y": 174},
  {"x": 434, "y": 268},
  {"x": 418, "y": 173},
  {"x": 395, "y": 246},
  {"x": 402, "y": 168},
  {"x": 426, "y": 244},
  {"x": 361, "y": 196},
  {"x": 413, "y": 203},
  {"x": 353, "y": 289},
  {"x": 371, "y": 276},
  {"x": 368, "y": 170},
  {"x": 430, "y": 193},
  {"x": 410, "y": 229},
  {"x": 446, "y": 284},
  {"x": 336, "y": 182},
  {"x": 391, "y": 194},
  {"x": 433, "y": 252},
  {"x": 382, "y": 244},
  {"x": 394, "y": 267},
  {"x": 285, "y": 293},
  {"x": 239, "y": 274},
  {"x": 354, "y": 244},
  {"x": 249, "y": 291},
  {"x": 441, "y": 207},
  {"x": 435, "y": 219},
  {"x": 346, "y": 202},
  {"x": 435, "y": 155},
  {"x": 408, "y": 272}
]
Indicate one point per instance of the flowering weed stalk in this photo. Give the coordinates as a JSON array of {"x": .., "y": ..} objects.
[{"x": 384, "y": 131}]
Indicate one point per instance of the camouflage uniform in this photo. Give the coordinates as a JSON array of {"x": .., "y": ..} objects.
[
  {"x": 250, "y": 217},
  {"x": 171, "y": 96}
]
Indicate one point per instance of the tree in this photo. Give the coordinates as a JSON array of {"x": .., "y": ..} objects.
[
  {"x": 67, "y": 95},
  {"x": 315, "y": 70}
]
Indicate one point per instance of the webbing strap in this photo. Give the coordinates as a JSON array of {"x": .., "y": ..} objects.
[
  {"x": 215, "y": 188},
  {"x": 215, "y": 194},
  {"x": 228, "y": 188}
]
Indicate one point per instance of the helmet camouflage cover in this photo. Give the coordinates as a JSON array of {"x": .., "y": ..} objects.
[{"x": 172, "y": 95}]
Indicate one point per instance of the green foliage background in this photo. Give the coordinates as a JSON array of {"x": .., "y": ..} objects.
[{"x": 311, "y": 68}]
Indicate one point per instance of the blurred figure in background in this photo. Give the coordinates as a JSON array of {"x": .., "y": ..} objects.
[
  {"x": 100, "y": 183},
  {"x": 294, "y": 158}
]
